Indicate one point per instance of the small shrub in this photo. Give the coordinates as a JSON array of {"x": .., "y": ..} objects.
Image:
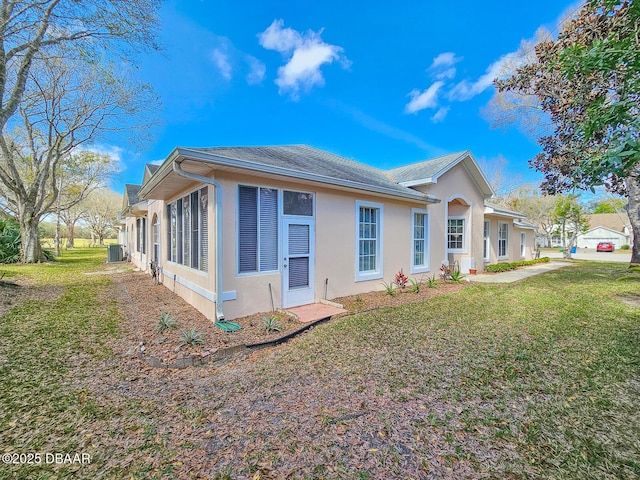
[
  {"x": 401, "y": 280},
  {"x": 506, "y": 266},
  {"x": 271, "y": 324},
  {"x": 432, "y": 282},
  {"x": 625, "y": 247},
  {"x": 415, "y": 285},
  {"x": 192, "y": 337},
  {"x": 456, "y": 276},
  {"x": 388, "y": 288},
  {"x": 9, "y": 241},
  {"x": 166, "y": 322}
]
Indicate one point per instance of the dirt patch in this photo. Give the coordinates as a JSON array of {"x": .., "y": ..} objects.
[
  {"x": 16, "y": 291},
  {"x": 378, "y": 299},
  {"x": 142, "y": 303},
  {"x": 633, "y": 300}
]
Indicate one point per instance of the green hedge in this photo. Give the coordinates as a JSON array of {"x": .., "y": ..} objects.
[{"x": 503, "y": 267}]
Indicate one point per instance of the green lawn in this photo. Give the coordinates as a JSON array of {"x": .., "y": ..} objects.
[{"x": 539, "y": 379}]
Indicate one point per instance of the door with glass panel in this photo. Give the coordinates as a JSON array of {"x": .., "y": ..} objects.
[{"x": 298, "y": 249}]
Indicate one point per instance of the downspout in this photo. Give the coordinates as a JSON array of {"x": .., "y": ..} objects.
[{"x": 218, "y": 188}]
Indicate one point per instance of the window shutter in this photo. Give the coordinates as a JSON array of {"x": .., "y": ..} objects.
[
  {"x": 168, "y": 224},
  {"x": 180, "y": 230},
  {"x": 247, "y": 229},
  {"x": 204, "y": 229},
  {"x": 268, "y": 229},
  {"x": 144, "y": 234},
  {"x": 186, "y": 207},
  {"x": 137, "y": 234},
  {"x": 194, "y": 226}
]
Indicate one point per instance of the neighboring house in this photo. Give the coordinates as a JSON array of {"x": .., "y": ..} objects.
[
  {"x": 606, "y": 227},
  {"x": 291, "y": 225}
]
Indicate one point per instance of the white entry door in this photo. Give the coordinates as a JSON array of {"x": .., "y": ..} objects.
[{"x": 298, "y": 262}]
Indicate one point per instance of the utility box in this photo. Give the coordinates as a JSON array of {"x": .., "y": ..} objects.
[{"x": 114, "y": 253}]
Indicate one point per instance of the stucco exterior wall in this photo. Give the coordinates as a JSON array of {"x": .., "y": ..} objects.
[
  {"x": 335, "y": 245},
  {"x": 334, "y": 263},
  {"x": 455, "y": 188}
]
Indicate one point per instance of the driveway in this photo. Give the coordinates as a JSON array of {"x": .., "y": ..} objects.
[{"x": 592, "y": 255}]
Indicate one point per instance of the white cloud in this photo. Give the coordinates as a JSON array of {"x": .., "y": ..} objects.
[
  {"x": 444, "y": 60},
  {"x": 425, "y": 99},
  {"x": 283, "y": 40},
  {"x": 257, "y": 70},
  {"x": 442, "y": 66},
  {"x": 385, "y": 129},
  {"x": 305, "y": 54},
  {"x": 440, "y": 114},
  {"x": 221, "y": 60}
]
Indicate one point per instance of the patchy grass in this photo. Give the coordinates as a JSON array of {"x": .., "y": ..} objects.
[{"x": 538, "y": 379}]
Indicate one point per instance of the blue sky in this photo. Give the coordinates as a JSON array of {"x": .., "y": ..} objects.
[{"x": 385, "y": 85}]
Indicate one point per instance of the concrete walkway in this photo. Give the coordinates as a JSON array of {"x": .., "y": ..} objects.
[{"x": 516, "y": 275}]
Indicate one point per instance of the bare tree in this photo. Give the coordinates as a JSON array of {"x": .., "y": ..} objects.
[
  {"x": 59, "y": 89},
  {"x": 101, "y": 212}
]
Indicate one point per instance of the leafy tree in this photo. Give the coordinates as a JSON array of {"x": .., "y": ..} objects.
[
  {"x": 59, "y": 89},
  {"x": 536, "y": 207},
  {"x": 101, "y": 212},
  {"x": 569, "y": 219},
  {"x": 609, "y": 205},
  {"x": 588, "y": 82}
]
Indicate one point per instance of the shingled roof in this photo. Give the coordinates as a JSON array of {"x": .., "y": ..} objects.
[
  {"x": 426, "y": 168},
  {"x": 132, "y": 193},
  {"x": 302, "y": 160}
]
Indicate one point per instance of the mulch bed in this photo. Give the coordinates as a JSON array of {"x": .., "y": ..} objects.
[{"x": 142, "y": 304}]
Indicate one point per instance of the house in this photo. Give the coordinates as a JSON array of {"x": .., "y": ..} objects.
[
  {"x": 282, "y": 226},
  {"x": 606, "y": 227}
]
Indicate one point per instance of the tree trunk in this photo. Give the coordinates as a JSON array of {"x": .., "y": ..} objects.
[
  {"x": 632, "y": 184},
  {"x": 31, "y": 251},
  {"x": 70, "y": 235}
]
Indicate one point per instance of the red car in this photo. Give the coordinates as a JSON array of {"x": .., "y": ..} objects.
[{"x": 605, "y": 247}]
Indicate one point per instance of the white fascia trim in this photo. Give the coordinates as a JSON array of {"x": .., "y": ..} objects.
[
  {"x": 421, "y": 181},
  {"x": 196, "y": 288}
]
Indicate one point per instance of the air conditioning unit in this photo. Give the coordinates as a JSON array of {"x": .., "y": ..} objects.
[{"x": 114, "y": 253}]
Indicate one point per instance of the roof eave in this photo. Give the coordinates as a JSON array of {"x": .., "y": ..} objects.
[{"x": 195, "y": 155}]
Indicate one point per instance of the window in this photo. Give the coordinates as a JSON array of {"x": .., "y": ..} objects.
[
  {"x": 487, "y": 244},
  {"x": 141, "y": 238},
  {"x": 156, "y": 238},
  {"x": 455, "y": 233},
  {"x": 188, "y": 230},
  {"x": 523, "y": 243},
  {"x": 369, "y": 241},
  {"x": 297, "y": 203},
  {"x": 503, "y": 236},
  {"x": 137, "y": 234},
  {"x": 257, "y": 229},
  {"x": 420, "y": 235}
]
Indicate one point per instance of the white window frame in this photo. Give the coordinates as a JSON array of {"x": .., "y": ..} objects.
[
  {"x": 464, "y": 234},
  {"x": 173, "y": 259},
  {"x": 378, "y": 272},
  {"x": 506, "y": 241},
  {"x": 486, "y": 234},
  {"x": 523, "y": 244},
  {"x": 425, "y": 266}
]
